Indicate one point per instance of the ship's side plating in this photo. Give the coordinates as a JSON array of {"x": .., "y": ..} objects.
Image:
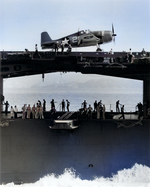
[{"x": 30, "y": 149}]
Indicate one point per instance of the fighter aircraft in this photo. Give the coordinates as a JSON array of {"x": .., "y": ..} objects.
[{"x": 79, "y": 39}]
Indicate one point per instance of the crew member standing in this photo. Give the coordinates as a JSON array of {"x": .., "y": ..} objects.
[
  {"x": 90, "y": 109},
  {"x": 63, "y": 105},
  {"x": 104, "y": 109},
  {"x": 84, "y": 104},
  {"x": 52, "y": 104},
  {"x": 44, "y": 105},
  {"x": 62, "y": 47},
  {"x": 130, "y": 55},
  {"x": 24, "y": 111},
  {"x": 111, "y": 53},
  {"x": 15, "y": 112},
  {"x": 122, "y": 112},
  {"x": 117, "y": 106},
  {"x": 56, "y": 47},
  {"x": 95, "y": 106},
  {"x": 6, "y": 107},
  {"x": 11, "y": 112},
  {"x": 68, "y": 104}
]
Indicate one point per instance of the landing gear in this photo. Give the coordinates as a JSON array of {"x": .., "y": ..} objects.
[{"x": 98, "y": 48}]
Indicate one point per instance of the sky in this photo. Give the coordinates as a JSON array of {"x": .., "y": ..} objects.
[{"x": 22, "y": 21}]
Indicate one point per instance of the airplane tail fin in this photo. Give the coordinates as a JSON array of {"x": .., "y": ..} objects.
[{"x": 45, "y": 38}]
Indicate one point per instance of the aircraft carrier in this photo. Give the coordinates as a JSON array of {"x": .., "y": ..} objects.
[{"x": 32, "y": 148}]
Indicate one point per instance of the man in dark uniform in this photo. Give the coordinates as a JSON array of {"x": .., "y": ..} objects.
[
  {"x": 84, "y": 104},
  {"x": 68, "y": 104},
  {"x": 117, "y": 106},
  {"x": 63, "y": 105},
  {"x": 52, "y": 104},
  {"x": 95, "y": 106},
  {"x": 44, "y": 105},
  {"x": 122, "y": 112},
  {"x": 6, "y": 107}
]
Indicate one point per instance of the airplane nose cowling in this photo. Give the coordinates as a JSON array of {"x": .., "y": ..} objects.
[{"x": 107, "y": 37}]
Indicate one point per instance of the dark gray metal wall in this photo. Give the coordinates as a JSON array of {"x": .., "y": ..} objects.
[{"x": 30, "y": 150}]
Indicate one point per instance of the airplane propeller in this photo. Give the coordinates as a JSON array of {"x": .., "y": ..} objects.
[{"x": 113, "y": 33}]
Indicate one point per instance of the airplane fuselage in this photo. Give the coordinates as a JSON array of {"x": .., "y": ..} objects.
[{"x": 78, "y": 39}]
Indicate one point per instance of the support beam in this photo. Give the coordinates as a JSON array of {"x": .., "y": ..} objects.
[
  {"x": 0, "y": 117},
  {"x": 146, "y": 94},
  {"x": 1, "y": 90}
]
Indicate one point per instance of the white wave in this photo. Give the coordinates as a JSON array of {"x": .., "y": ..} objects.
[{"x": 137, "y": 176}]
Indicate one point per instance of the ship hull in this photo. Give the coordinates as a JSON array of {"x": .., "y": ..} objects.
[{"x": 31, "y": 150}]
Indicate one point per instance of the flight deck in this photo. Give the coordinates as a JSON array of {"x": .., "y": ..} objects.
[{"x": 118, "y": 64}]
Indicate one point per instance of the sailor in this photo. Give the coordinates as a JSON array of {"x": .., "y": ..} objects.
[
  {"x": 11, "y": 112},
  {"x": 52, "y": 104},
  {"x": 39, "y": 102},
  {"x": 122, "y": 112},
  {"x": 95, "y": 106},
  {"x": 44, "y": 105},
  {"x": 117, "y": 106},
  {"x": 6, "y": 107},
  {"x": 37, "y": 111},
  {"x": 41, "y": 112},
  {"x": 24, "y": 111},
  {"x": 111, "y": 53},
  {"x": 104, "y": 109},
  {"x": 130, "y": 55},
  {"x": 143, "y": 52},
  {"x": 90, "y": 109},
  {"x": 62, "y": 47},
  {"x": 140, "y": 109},
  {"x": 99, "y": 109},
  {"x": 126, "y": 59},
  {"x": 84, "y": 104},
  {"x": 69, "y": 48},
  {"x": 68, "y": 104},
  {"x": 33, "y": 111},
  {"x": 28, "y": 111},
  {"x": 36, "y": 54},
  {"x": 15, "y": 112},
  {"x": 56, "y": 47},
  {"x": 63, "y": 105},
  {"x": 36, "y": 48}
]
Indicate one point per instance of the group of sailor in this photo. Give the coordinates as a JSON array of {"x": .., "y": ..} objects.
[
  {"x": 62, "y": 45},
  {"x": 99, "y": 109},
  {"x": 36, "y": 111}
]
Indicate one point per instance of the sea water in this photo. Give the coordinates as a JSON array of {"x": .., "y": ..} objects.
[{"x": 137, "y": 176}]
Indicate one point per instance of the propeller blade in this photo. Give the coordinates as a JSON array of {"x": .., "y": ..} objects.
[
  {"x": 113, "y": 33},
  {"x": 112, "y": 29}
]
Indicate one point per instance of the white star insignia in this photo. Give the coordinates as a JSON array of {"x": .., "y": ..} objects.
[{"x": 65, "y": 41}]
